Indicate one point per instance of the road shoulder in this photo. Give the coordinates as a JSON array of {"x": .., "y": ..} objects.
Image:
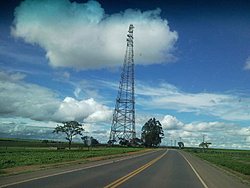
[{"x": 212, "y": 176}]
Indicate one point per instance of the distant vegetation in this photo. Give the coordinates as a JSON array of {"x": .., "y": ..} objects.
[
  {"x": 151, "y": 136},
  {"x": 15, "y": 142}
]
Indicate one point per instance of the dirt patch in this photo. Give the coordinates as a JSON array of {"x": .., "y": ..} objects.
[
  {"x": 23, "y": 169},
  {"x": 245, "y": 162}
]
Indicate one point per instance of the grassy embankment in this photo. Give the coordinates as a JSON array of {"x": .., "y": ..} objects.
[
  {"x": 17, "y": 153},
  {"x": 234, "y": 161}
]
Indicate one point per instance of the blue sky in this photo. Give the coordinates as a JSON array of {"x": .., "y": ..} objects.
[{"x": 61, "y": 61}]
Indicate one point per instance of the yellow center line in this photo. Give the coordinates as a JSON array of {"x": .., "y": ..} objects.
[{"x": 131, "y": 174}]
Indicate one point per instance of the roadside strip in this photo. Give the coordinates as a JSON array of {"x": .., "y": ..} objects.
[{"x": 131, "y": 174}]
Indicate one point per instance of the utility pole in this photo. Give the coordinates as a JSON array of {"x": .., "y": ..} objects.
[
  {"x": 123, "y": 123},
  {"x": 203, "y": 140}
]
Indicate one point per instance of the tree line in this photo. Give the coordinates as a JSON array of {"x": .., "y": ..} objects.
[{"x": 151, "y": 136}]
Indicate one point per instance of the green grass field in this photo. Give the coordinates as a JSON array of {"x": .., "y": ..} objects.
[
  {"x": 18, "y": 152},
  {"x": 233, "y": 160},
  {"x": 14, "y": 157}
]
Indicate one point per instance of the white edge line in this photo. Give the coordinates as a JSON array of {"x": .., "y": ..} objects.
[
  {"x": 83, "y": 168},
  {"x": 196, "y": 173}
]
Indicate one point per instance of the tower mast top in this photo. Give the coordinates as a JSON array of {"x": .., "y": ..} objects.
[{"x": 131, "y": 28}]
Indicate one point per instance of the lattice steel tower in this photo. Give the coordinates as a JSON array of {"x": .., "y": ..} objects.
[{"x": 123, "y": 123}]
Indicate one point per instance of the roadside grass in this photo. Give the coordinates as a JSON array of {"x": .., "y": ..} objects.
[
  {"x": 16, "y": 156},
  {"x": 235, "y": 161},
  {"x": 23, "y": 155}
]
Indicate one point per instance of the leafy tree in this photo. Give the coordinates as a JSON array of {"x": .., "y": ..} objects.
[
  {"x": 124, "y": 142},
  {"x": 152, "y": 133},
  {"x": 89, "y": 141},
  {"x": 92, "y": 140},
  {"x": 204, "y": 144},
  {"x": 111, "y": 142},
  {"x": 71, "y": 129},
  {"x": 135, "y": 142},
  {"x": 181, "y": 145},
  {"x": 45, "y": 141},
  {"x": 95, "y": 141}
]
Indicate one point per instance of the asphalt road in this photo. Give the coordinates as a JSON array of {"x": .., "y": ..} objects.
[{"x": 162, "y": 168}]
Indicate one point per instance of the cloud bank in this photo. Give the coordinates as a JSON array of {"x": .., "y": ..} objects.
[
  {"x": 167, "y": 96},
  {"x": 220, "y": 134},
  {"x": 172, "y": 123},
  {"x": 19, "y": 127},
  {"x": 83, "y": 36},
  {"x": 21, "y": 99}
]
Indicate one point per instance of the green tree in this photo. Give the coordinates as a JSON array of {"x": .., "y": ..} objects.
[
  {"x": 204, "y": 144},
  {"x": 135, "y": 142},
  {"x": 95, "y": 141},
  {"x": 124, "y": 142},
  {"x": 45, "y": 141},
  {"x": 71, "y": 129},
  {"x": 152, "y": 133},
  {"x": 181, "y": 145},
  {"x": 111, "y": 142},
  {"x": 89, "y": 141}
]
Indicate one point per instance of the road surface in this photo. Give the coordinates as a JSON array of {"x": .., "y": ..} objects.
[{"x": 161, "y": 168}]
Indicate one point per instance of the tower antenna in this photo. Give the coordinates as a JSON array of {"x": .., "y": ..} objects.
[{"x": 123, "y": 123}]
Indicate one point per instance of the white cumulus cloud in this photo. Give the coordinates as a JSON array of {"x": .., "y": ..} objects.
[
  {"x": 21, "y": 99},
  {"x": 171, "y": 123},
  {"x": 83, "y": 36},
  {"x": 85, "y": 110},
  {"x": 210, "y": 126}
]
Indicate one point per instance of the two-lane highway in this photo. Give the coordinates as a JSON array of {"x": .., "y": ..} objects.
[
  {"x": 171, "y": 170},
  {"x": 162, "y": 168}
]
